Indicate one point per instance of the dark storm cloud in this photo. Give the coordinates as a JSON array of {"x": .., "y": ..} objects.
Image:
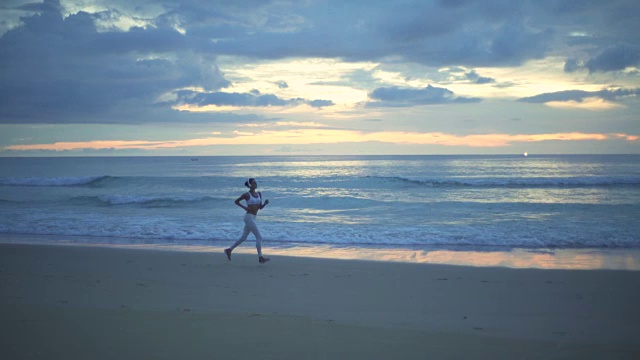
[
  {"x": 419, "y": 32},
  {"x": 580, "y": 95},
  {"x": 572, "y": 65},
  {"x": 615, "y": 58},
  {"x": 70, "y": 69},
  {"x": 403, "y": 97},
  {"x": 443, "y": 33},
  {"x": 477, "y": 79},
  {"x": 320, "y": 103},
  {"x": 253, "y": 98},
  {"x": 38, "y": 7},
  {"x": 57, "y": 70}
]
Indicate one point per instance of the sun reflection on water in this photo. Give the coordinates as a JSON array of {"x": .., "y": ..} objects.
[
  {"x": 569, "y": 259},
  {"x": 565, "y": 259}
]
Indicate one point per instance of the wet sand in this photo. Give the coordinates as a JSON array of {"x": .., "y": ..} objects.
[{"x": 103, "y": 303}]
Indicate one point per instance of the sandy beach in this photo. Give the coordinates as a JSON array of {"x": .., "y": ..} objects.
[{"x": 81, "y": 302}]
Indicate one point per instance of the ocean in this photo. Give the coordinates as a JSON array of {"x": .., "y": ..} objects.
[{"x": 447, "y": 202}]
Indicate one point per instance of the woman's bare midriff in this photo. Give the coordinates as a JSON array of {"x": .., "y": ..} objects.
[{"x": 253, "y": 209}]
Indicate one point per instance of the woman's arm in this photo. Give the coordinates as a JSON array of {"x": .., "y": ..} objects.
[
  {"x": 242, "y": 197},
  {"x": 266, "y": 202}
]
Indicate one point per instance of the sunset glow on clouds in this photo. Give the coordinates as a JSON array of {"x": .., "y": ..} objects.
[
  {"x": 321, "y": 136},
  {"x": 417, "y": 77}
]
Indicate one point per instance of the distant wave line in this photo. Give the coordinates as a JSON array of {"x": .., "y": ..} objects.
[
  {"x": 144, "y": 200},
  {"x": 519, "y": 182},
  {"x": 51, "y": 181}
]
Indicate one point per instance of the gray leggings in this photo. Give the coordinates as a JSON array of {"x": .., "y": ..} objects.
[{"x": 250, "y": 226}]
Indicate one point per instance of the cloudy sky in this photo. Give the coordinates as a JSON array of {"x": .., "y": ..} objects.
[{"x": 251, "y": 77}]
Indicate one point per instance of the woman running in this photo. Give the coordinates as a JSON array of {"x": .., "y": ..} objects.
[{"x": 254, "y": 203}]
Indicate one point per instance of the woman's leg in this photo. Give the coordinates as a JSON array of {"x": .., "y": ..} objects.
[
  {"x": 245, "y": 234},
  {"x": 250, "y": 222}
]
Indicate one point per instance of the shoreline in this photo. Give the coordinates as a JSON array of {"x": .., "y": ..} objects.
[
  {"x": 517, "y": 258},
  {"x": 99, "y": 302}
]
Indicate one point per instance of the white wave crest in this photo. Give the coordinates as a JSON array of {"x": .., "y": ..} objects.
[{"x": 50, "y": 181}]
